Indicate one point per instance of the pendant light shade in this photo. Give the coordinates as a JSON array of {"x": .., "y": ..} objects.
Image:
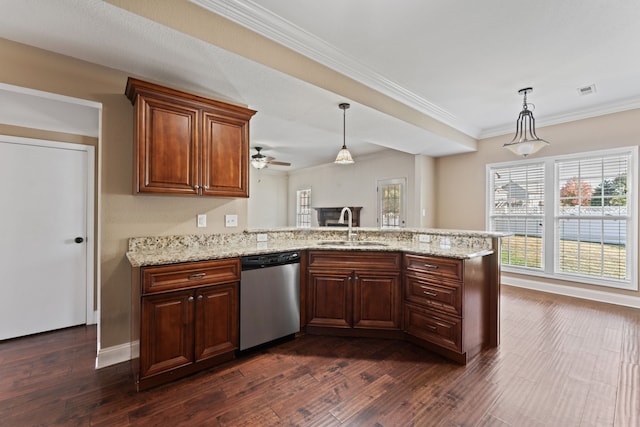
[
  {"x": 525, "y": 141},
  {"x": 344, "y": 156}
]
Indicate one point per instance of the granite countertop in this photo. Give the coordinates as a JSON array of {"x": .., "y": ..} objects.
[{"x": 176, "y": 249}]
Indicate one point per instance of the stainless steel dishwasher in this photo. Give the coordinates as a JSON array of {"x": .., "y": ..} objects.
[{"x": 269, "y": 298}]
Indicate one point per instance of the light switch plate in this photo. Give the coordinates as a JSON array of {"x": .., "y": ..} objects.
[
  {"x": 231, "y": 220},
  {"x": 201, "y": 220}
]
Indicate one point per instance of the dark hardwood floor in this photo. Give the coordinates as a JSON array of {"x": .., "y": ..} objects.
[{"x": 562, "y": 362}]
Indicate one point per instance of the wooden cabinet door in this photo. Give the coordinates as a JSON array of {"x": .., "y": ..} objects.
[
  {"x": 167, "y": 149},
  {"x": 377, "y": 300},
  {"x": 225, "y": 156},
  {"x": 216, "y": 321},
  {"x": 331, "y": 297},
  {"x": 166, "y": 336}
]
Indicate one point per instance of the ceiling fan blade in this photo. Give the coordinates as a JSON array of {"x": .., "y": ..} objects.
[{"x": 279, "y": 163}]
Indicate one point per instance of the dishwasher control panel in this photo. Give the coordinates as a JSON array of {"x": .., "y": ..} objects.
[{"x": 268, "y": 260}]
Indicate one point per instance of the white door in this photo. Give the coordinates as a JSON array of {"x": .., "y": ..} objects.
[{"x": 43, "y": 193}]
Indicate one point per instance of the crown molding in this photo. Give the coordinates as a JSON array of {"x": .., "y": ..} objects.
[
  {"x": 585, "y": 113},
  {"x": 261, "y": 21},
  {"x": 256, "y": 18}
]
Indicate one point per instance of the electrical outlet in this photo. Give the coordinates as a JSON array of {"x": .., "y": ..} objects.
[
  {"x": 261, "y": 237},
  {"x": 445, "y": 243},
  {"x": 231, "y": 220},
  {"x": 424, "y": 238},
  {"x": 201, "y": 220}
]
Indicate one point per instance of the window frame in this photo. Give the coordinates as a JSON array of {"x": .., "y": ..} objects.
[
  {"x": 307, "y": 214},
  {"x": 551, "y": 239}
]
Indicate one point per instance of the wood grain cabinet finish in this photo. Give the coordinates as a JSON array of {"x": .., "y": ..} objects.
[
  {"x": 187, "y": 322},
  {"x": 188, "y": 145},
  {"x": 446, "y": 306},
  {"x": 356, "y": 293}
]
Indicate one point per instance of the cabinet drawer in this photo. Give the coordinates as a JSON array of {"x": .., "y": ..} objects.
[
  {"x": 436, "y": 266},
  {"x": 445, "y": 296},
  {"x": 437, "y": 328},
  {"x": 355, "y": 260},
  {"x": 183, "y": 276}
]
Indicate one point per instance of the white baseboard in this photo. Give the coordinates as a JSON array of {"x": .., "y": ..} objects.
[
  {"x": 92, "y": 318},
  {"x": 113, "y": 355},
  {"x": 589, "y": 294}
]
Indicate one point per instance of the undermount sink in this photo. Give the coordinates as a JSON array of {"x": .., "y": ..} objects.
[{"x": 351, "y": 243}]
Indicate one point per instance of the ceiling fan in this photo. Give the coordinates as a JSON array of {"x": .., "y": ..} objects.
[{"x": 260, "y": 161}]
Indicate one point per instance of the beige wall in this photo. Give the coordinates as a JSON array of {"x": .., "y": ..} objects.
[
  {"x": 460, "y": 182},
  {"x": 268, "y": 202},
  {"x": 123, "y": 214}
]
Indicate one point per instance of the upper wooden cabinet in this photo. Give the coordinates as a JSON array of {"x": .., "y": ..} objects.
[{"x": 188, "y": 145}]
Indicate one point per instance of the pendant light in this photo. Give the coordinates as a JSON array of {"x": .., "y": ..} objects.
[
  {"x": 525, "y": 141},
  {"x": 344, "y": 156}
]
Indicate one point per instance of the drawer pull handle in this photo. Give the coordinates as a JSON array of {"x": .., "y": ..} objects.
[
  {"x": 429, "y": 293},
  {"x": 432, "y": 266},
  {"x": 433, "y": 328},
  {"x": 197, "y": 276}
]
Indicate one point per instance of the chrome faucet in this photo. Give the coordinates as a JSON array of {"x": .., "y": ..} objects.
[{"x": 341, "y": 221}]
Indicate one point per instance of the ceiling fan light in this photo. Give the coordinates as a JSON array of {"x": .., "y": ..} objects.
[
  {"x": 525, "y": 141},
  {"x": 260, "y": 163}
]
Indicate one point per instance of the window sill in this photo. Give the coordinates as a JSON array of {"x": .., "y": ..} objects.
[{"x": 631, "y": 285}]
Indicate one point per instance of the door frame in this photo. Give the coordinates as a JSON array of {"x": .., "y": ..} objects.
[
  {"x": 91, "y": 316},
  {"x": 402, "y": 181}
]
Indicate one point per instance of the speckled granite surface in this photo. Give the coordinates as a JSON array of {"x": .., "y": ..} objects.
[{"x": 159, "y": 250}]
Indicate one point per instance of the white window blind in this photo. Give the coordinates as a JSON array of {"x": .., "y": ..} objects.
[
  {"x": 571, "y": 217},
  {"x": 592, "y": 217},
  {"x": 518, "y": 207}
]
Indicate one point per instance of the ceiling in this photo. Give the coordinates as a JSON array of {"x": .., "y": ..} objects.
[{"x": 458, "y": 62}]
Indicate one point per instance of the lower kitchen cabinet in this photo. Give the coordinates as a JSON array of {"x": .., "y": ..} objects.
[
  {"x": 354, "y": 293},
  {"x": 184, "y": 318},
  {"x": 446, "y": 307}
]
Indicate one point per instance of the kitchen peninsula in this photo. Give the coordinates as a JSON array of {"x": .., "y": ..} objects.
[{"x": 437, "y": 288}]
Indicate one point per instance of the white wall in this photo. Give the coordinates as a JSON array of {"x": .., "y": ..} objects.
[
  {"x": 267, "y": 205},
  {"x": 355, "y": 185}
]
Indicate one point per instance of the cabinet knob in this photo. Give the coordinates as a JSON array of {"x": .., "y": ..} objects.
[
  {"x": 199, "y": 297},
  {"x": 196, "y": 187},
  {"x": 206, "y": 187},
  {"x": 78, "y": 240},
  {"x": 190, "y": 299}
]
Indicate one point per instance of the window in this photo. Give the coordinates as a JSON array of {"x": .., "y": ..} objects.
[
  {"x": 518, "y": 207},
  {"x": 391, "y": 202},
  {"x": 303, "y": 208},
  {"x": 572, "y": 217}
]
